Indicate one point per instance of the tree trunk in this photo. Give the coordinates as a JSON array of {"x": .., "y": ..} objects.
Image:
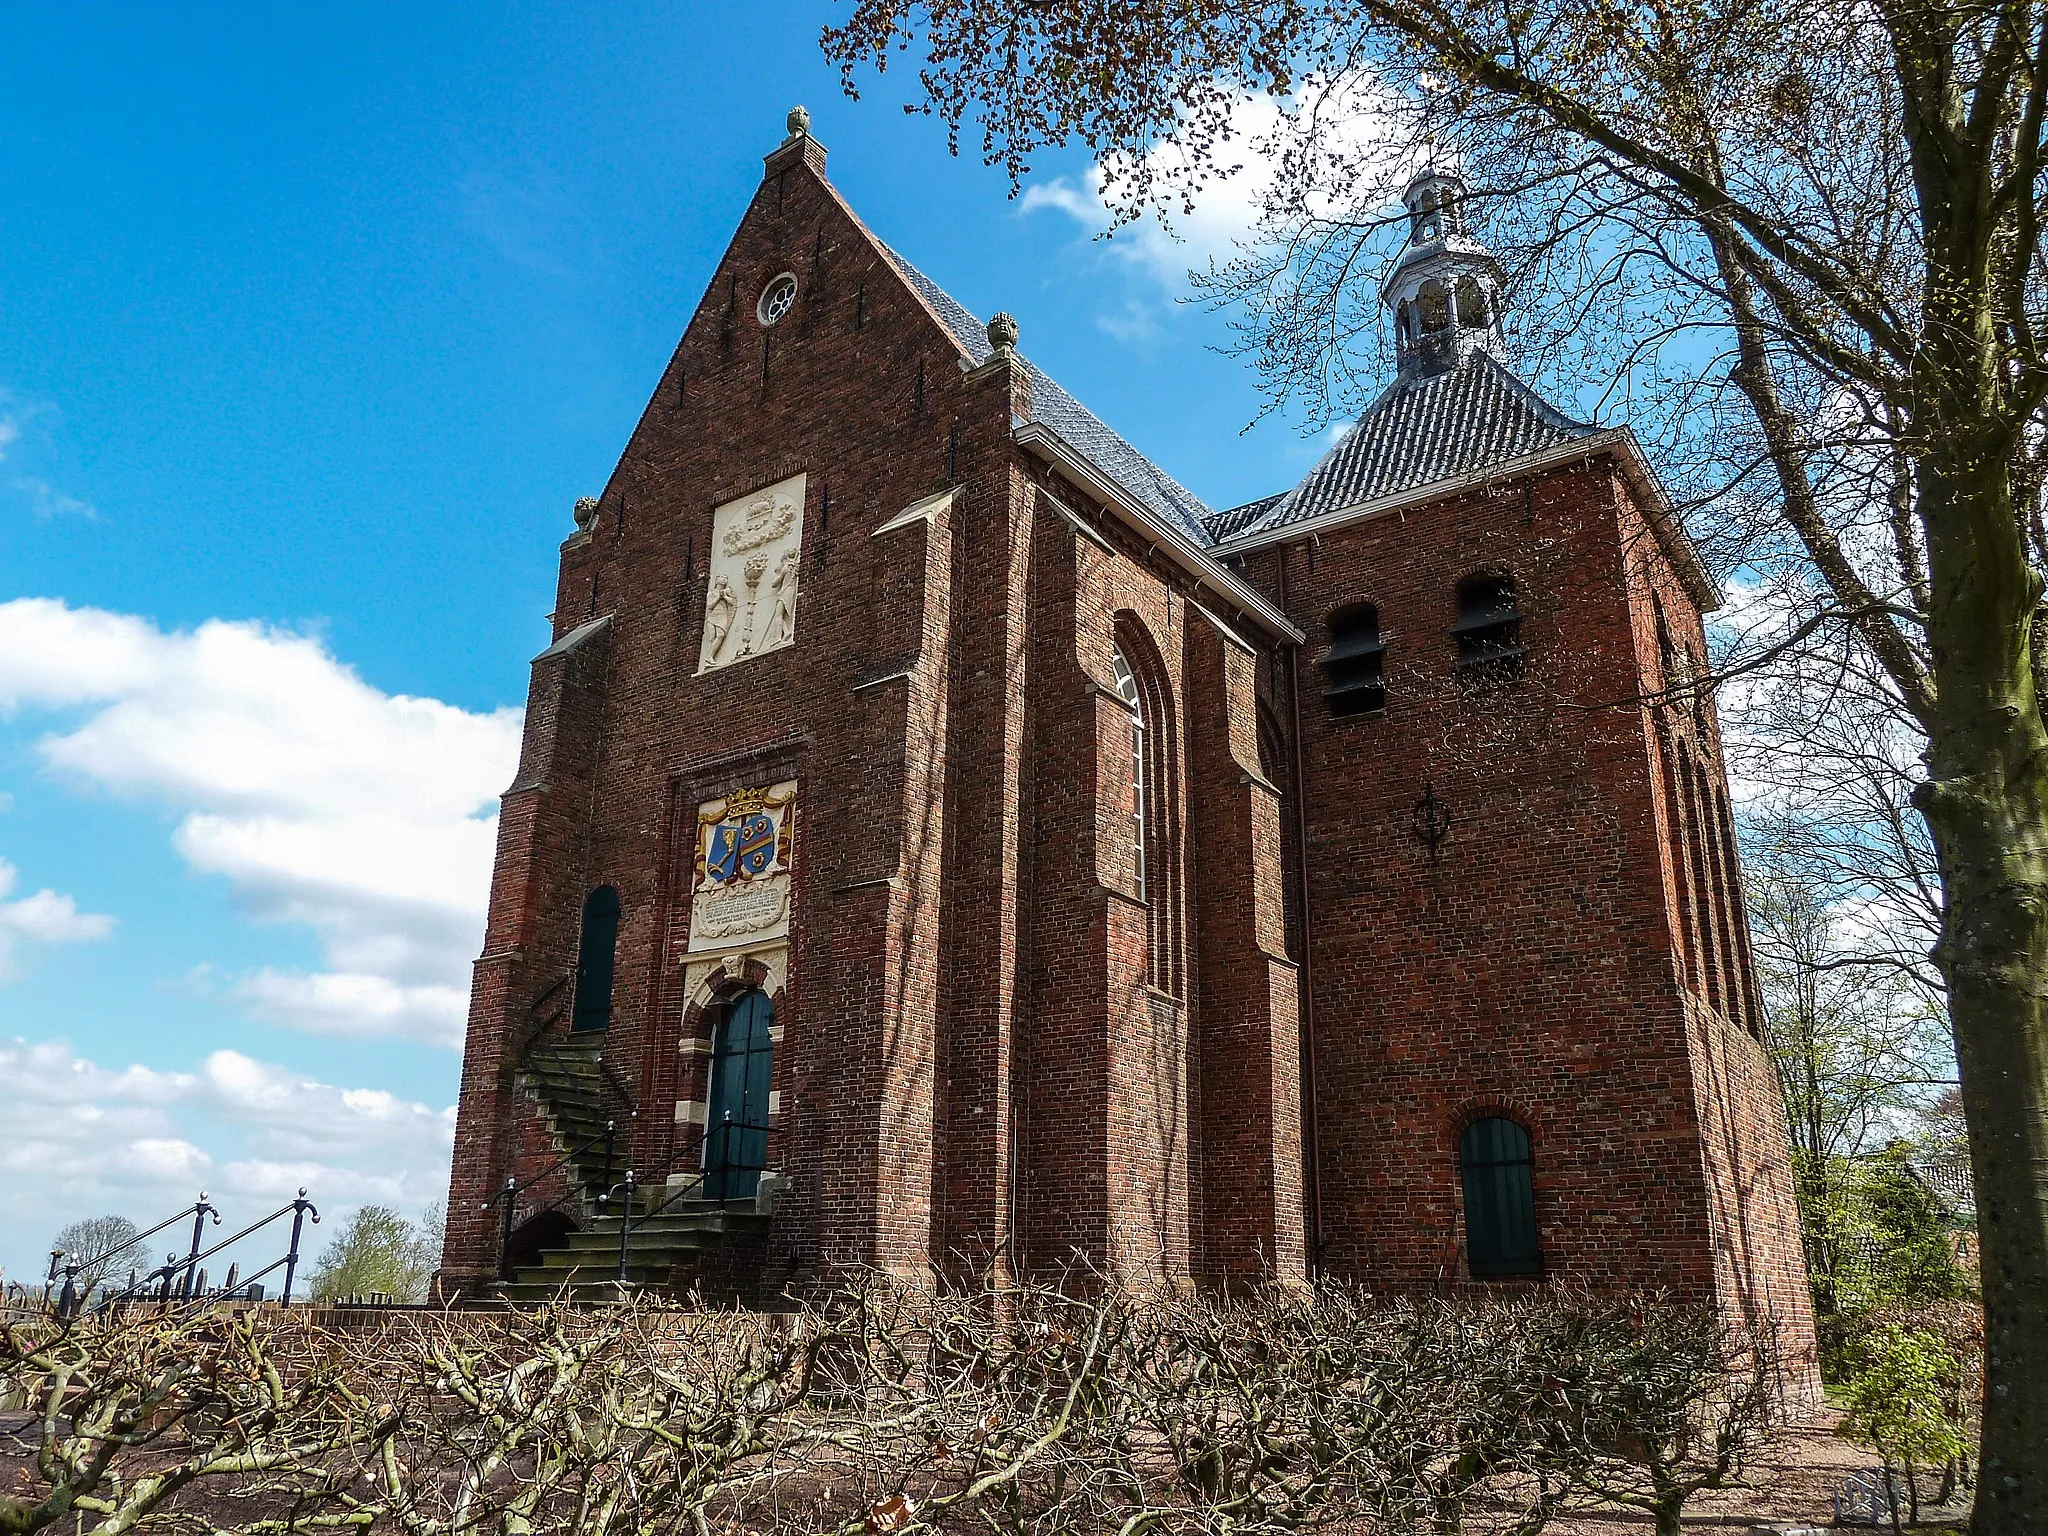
[{"x": 1986, "y": 801}]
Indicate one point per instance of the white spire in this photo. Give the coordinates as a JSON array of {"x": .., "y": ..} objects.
[{"x": 1444, "y": 290}]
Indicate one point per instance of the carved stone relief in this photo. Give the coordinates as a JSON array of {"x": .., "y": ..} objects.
[
  {"x": 750, "y": 603},
  {"x": 741, "y": 891}
]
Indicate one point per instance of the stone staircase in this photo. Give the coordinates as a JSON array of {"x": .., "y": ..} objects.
[
  {"x": 566, "y": 1076},
  {"x": 686, "y": 1241},
  {"x": 690, "y": 1241}
]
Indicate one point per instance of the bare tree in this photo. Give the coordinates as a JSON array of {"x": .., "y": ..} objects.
[
  {"x": 1812, "y": 234},
  {"x": 1679, "y": 1401},
  {"x": 880, "y": 1407},
  {"x": 100, "y": 1246}
]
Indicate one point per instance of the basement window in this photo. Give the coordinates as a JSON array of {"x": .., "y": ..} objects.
[
  {"x": 1488, "y": 631},
  {"x": 1356, "y": 667}
]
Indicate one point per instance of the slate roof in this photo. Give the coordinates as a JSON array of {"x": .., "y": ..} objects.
[
  {"x": 1077, "y": 426},
  {"x": 1233, "y": 521},
  {"x": 1424, "y": 429}
]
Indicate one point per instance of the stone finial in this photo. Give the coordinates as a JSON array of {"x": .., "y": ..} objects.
[
  {"x": 1002, "y": 332},
  {"x": 586, "y": 512},
  {"x": 799, "y": 121}
]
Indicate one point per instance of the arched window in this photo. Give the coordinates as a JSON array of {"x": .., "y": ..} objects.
[
  {"x": 1472, "y": 308},
  {"x": 1127, "y": 685},
  {"x": 596, "y": 954},
  {"x": 1155, "y": 801},
  {"x": 1500, "y": 1198},
  {"x": 1488, "y": 631},
  {"x": 1356, "y": 665},
  {"x": 1435, "y": 305}
]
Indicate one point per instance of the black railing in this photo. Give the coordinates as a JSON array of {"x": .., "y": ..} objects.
[
  {"x": 615, "y": 1087},
  {"x": 164, "y": 1276},
  {"x": 698, "y": 1186},
  {"x": 538, "y": 1019},
  {"x": 70, "y": 1266},
  {"x": 507, "y": 1199},
  {"x": 179, "y": 1277}
]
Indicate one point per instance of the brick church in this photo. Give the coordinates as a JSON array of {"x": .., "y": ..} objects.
[{"x": 941, "y": 840}]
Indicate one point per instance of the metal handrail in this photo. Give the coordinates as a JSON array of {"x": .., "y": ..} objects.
[
  {"x": 196, "y": 1208},
  {"x": 299, "y": 1209},
  {"x": 68, "y": 1301},
  {"x": 616, "y": 1085},
  {"x": 630, "y": 1184},
  {"x": 514, "y": 1188},
  {"x": 538, "y": 1024}
]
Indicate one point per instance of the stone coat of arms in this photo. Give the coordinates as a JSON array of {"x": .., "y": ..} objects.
[{"x": 742, "y": 867}]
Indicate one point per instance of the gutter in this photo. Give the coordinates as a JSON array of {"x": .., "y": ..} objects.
[
  {"x": 1618, "y": 443},
  {"x": 1075, "y": 467}
]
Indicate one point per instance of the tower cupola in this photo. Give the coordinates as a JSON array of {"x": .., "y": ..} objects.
[{"x": 1444, "y": 288}]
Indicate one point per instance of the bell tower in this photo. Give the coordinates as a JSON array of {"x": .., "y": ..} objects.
[{"x": 1444, "y": 288}]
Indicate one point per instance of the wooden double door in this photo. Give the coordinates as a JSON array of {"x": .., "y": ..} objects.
[{"x": 742, "y": 1062}]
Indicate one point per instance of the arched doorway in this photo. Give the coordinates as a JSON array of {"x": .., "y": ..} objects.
[{"x": 736, "y": 1135}]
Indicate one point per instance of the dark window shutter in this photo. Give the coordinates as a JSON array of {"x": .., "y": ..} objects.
[
  {"x": 1488, "y": 631},
  {"x": 596, "y": 954},
  {"x": 1500, "y": 1199},
  {"x": 1356, "y": 666}
]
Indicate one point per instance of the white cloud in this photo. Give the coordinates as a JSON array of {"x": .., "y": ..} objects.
[
  {"x": 1357, "y": 120},
  {"x": 46, "y": 501},
  {"x": 83, "y": 1139},
  {"x": 370, "y": 817},
  {"x": 355, "y": 1003},
  {"x": 43, "y": 918}
]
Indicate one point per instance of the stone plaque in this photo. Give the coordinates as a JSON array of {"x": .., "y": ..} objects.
[
  {"x": 742, "y": 874},
  {"x": 750, "y": 602}
]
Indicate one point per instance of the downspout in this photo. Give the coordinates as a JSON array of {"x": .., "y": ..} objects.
[{"x": 1312, "y": 1121}]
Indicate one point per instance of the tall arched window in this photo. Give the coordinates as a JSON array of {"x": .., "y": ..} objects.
[
  {"x": 1127, "y": 685},
  {"x": 1500, "y": 1198},
  {"x": 1472, "y": 308},
  {"x": 1141, "y": 681},
  {"x": 596, "y": 953}
]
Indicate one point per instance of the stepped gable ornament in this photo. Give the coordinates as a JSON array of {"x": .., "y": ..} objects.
[
  {"x": 799, "y": 121},
  {"x": 1002, "y": 332},
  {"x": 586, "y": 512},
  {"x": 750, "y": 593},
  {"x": 742, "y": 867}
]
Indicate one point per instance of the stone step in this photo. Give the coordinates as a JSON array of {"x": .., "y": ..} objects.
[{"x": 599, "y": 1256}]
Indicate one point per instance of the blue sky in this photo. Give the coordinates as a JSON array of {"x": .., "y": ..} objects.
[{"x": 313, "y": 325}]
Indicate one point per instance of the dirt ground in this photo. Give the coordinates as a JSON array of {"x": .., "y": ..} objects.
[{"x": 1792, "y": 1484}]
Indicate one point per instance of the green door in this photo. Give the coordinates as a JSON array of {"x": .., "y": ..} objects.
[
  {"x": 736, "y": 1139},
  {"x": 596, "y": 959}
]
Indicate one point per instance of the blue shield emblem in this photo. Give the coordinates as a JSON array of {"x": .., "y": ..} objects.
[{"x": 741, "y": 848}]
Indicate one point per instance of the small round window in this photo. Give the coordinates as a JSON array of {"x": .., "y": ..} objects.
[{"x": 776, "y": 299}]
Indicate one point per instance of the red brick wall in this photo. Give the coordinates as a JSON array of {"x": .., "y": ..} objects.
[
  {"x": 992, "y": 1049},
  {"x": 1538, "y": 967}
]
